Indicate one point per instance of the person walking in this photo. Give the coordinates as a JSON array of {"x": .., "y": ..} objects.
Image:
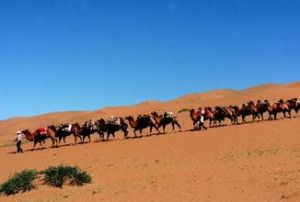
[{"x": 19, "y": 141}]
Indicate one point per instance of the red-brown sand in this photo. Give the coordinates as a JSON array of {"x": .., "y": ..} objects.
[{"x": 250, "y": 162}]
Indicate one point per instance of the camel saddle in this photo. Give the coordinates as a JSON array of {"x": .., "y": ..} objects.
[
  {"x": 114, "y": 120},
  {"x": 65, "y": 127},
  {"x": 145, "y": 116},
  {"x": 169, "y": 115},
  {"x": 42, "y": 131}
]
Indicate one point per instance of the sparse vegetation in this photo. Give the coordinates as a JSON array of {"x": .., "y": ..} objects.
[
  {"x": 57, "y": 176},
  {"x": 252, "y": 153},
  {"x": 184, "y": 110},
  {"x": 54, "y": 176},
  {"x": 19, "y": 182}
]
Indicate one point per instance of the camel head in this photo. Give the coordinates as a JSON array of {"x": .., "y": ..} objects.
[
  {"x": 29, "y": 136},
  {"x": 129, "y": 118},
  {"x": 154, "y": 114},
  {"x": 52, "y": 127}
]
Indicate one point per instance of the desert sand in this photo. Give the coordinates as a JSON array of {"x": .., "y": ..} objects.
[{"x": 257, "y": 161}]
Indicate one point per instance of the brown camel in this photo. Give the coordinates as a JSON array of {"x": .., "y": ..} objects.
[
  {"x": 66, "y": 130},
  {"x": 195, "y": 116},
  {"x": 229, "y": 113},
  {"x": 276, "y": 108},
  {"x": 40, "y": 135},
  {"x": 165, "y": 119},
  {"x": 142, "y": 122},
  {"x": 247, "y": 110},
  {"x": 111, "y": 127},
  {"x": 261, "y": 108},
  {"x": 293, "y": 104},
  {"x": 208, "y": 115},
  {"x": 88, "y": 128}
]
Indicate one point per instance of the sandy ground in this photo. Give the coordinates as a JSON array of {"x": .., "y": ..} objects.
[{"x": 249, "y": 162}]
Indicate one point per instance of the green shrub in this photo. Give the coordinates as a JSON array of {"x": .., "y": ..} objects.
[
  {"x": 57, "y": 176},
  {"x": 19, "y": 182},
  {"x": 184, "y": 110},
  {"x": 81, "y": 178}
]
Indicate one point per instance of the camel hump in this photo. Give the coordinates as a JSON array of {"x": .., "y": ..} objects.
[{"x": 145, "y": 116}]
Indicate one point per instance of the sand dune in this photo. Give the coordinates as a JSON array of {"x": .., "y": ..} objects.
[{"x": 249, "y": 162}]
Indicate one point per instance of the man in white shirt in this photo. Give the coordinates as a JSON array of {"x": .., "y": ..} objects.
[{"x": 19, "y": 142}]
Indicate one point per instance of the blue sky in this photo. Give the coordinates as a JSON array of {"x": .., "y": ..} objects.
[{"x": 64, "y": 55}]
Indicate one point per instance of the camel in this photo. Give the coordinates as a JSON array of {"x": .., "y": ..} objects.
[
  {"x": 88, "y": 129},
  {"x": 293, "y": 104},
  {"x": 254, "y": 110},
  {"x": 229, "y": 113},
  {"x": 261, "y": 108},
  {"x": 276, "y": 108},
  {"x": 165, "y": 119},
  {"x": 111, "y": 128},
  {"x": 66, "y": 130},
  {"x": 40, "y": 135},
  {"x": 195, "y": 116},
  {"x": 142, "y": 122},
  {"x": 218, "y": 115},
  {"x": 248, "y": 110},
  {"x": 209, "y": 115},
  {"x": 245, "y": 110}
]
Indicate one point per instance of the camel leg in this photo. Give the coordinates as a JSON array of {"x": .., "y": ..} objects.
[
  {"x": 34, "y": 144},
  {"x": 179, "y": 126},
  {"x": 134, "y": 131},
  {"x": 53, "y": 141},
  {"x": 125, "y": 133},
  {"x": 40, "y": 142},
  {"x": 164, "y": 128},
  {"x": 101, "y": 134},
  {"x": 173, "y": 126},
  {"x": 79, "y": 136},
  {"x": 89, "y": 138},
  {"x": 270, "y": 116},
  {"x": 141, "y": 130},
  {"x": 157, "y": 129}
]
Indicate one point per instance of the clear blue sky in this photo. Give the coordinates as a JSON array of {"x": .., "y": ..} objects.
[{"x": 83, "y": 55}]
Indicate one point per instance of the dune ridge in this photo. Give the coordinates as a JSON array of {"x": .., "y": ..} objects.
[{"x": 210, "y": 98}]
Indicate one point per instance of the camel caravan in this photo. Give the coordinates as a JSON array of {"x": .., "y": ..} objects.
[{"x": 215, "y": 116}]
